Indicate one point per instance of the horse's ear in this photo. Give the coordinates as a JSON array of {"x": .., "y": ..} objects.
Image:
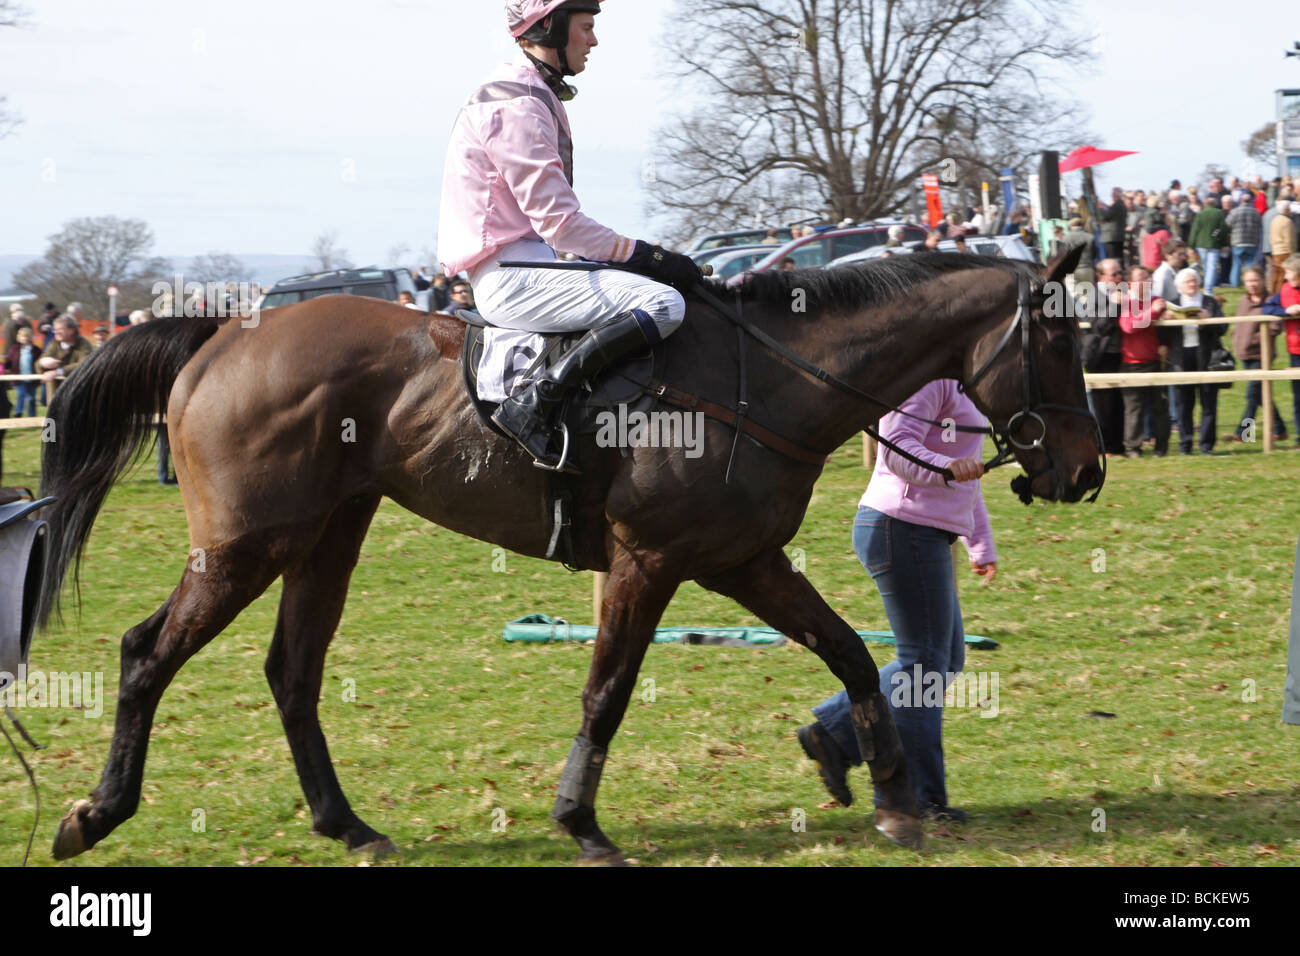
[{"x": 1065, "y": 263}]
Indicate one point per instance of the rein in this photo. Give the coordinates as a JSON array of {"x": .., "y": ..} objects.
[{"x": 1003, "y": 438}]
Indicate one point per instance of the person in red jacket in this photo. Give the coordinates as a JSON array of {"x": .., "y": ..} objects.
[
  {"x": 1142, "y": 351},
  {"x": 1152, "y": 244},
  {"x": 1290, "y": 299}
]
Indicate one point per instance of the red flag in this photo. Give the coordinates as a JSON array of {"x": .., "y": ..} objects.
[{"x": 932, "y": 204}]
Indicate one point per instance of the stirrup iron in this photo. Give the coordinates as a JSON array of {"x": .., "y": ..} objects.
[{"x": 564, "y": 453}]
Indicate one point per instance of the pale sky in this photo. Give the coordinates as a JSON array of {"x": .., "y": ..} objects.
[{"x": 251, "y": 127}]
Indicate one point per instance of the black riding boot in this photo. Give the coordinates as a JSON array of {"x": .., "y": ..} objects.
[{"x": 526, "y": 415}]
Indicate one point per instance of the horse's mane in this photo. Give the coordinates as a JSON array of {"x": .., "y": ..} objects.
[{"x": 860, "y": 285}]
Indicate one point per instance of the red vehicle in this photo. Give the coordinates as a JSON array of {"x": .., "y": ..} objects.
[{"x": 815, "y": 251}]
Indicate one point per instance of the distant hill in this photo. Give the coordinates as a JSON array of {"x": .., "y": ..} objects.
[{"x": 265, "y": 268}]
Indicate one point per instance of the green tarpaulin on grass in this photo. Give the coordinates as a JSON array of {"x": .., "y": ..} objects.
[{"x": 542, "y": 629}]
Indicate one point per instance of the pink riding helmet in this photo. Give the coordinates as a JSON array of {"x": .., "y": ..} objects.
[{"x": 522, "y": 14}]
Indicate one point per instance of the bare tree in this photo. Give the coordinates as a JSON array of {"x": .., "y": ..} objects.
[
  {"x": 217, "y": 267},
  {"x": 11, "y": 15},
  {"x": 845, "y": 103},
  {"x": 397, "y": 254},
  {"x": 1261, "y": 145},
  {"x": 1212, "y": 171},
  {"x": 91, "y": 254},
  {"x": 326, "y": 254}
]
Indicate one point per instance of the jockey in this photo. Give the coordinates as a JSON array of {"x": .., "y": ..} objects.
[{"x": 508, "y": 195}]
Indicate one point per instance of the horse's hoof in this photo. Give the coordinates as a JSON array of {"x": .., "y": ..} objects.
[
  {"x": 69, "y": 842},
  {"x": 900, "y": 828},
  {"x": 602, "y": 858},
  {"x": 376, "y": 849}
]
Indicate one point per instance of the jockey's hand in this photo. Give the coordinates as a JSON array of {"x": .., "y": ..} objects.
[{"x": 658, "y": 263}]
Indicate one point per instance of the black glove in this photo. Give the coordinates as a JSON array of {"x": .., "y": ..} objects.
[{"x": 659, "y": 264}]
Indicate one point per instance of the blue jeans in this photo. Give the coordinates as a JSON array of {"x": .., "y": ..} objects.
[
  {"x": 164, "y": 455},
  {"x": 1242, "y": 256},
  {"x": 1210, "y": 263},
  {"x": 1187, "y": 396},
  {"x": 1295, "y": 396},
  {"x": 912, "y": 567},
  {"x": 26, "y": 395},
  {"x": 1254, "y": 397}
]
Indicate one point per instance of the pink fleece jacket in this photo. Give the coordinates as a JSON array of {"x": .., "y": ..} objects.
[
  {"x": 509, "y": 176},
  {"x": 908, "y": 492}
]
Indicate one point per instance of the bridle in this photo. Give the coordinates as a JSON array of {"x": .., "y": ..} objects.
[
  {"x": 1004, "y": 438},
  {"x": 1031, "y": 401}
]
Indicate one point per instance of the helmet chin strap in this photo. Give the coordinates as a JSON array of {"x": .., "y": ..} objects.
[{"x": 555, "y": 78}]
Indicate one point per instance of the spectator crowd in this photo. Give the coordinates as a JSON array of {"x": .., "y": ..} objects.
[{"x": 1177, "y": 248}]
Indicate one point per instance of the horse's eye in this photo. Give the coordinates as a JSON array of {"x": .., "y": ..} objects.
[{"x": 1063, "y": 345}]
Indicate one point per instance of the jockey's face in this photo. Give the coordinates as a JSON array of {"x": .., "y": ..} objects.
[{"x": 582, "y": 40}]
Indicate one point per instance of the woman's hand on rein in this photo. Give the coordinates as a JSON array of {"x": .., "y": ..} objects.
[{"x": 966, "y": 469}]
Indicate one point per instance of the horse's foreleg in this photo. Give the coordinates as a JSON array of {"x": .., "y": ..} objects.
[
  {"x": 770, "y": 587},
  {"x": 638, "y": 590},
  {"x": 310, "y": 607},
  {"x": 213, "y": 590}
]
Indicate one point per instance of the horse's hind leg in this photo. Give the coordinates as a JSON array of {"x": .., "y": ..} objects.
[
  {"x": 205, "y": 601},
  {"x": 770, "y": 587},
  {"x": 638, "y": 590},
  {"x": 310, "y": 607}
]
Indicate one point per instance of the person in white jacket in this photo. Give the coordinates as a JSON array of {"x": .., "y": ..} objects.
[{"x": 508, "y": 196}]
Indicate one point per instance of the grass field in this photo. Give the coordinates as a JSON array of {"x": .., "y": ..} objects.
[{"x": 455, "y": 740}]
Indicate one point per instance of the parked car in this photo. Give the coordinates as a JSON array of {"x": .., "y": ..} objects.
[
  {"x": 732, "y": 263},
  {"x": 372, "y": 282},
  {"x": 743, "y": 237},
  {"x": 811, "y": 252},
  {"x": 1003, "y": 247},
  {"x": 709, "y": 255}
]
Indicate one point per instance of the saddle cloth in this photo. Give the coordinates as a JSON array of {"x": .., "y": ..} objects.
[{"x": 507, "y": 355}]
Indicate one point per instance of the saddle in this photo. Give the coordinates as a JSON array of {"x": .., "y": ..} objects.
[{"x": 621, "y": 384}]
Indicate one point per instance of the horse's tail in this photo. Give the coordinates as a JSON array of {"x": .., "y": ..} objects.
[{"x": 100, "y": 420}]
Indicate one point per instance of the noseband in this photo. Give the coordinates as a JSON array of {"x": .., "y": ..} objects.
[{"x": 1031, "y": 402}]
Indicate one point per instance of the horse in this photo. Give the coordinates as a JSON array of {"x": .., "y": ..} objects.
[{"x": 287, "y": 430}]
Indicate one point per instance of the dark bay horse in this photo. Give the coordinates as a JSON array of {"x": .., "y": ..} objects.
[{"x": 287, "y": 434}]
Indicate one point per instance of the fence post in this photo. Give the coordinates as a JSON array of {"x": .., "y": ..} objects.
[
  {"x": 598, "y": 595},
  {"x": 868, "y": 452},
  {"x": 1265, "y": 386}
]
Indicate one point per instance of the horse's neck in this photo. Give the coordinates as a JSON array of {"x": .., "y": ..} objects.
[{"x": 888, "y": 351}]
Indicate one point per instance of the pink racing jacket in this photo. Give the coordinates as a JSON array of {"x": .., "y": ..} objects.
[{"x": 509, "y": 176}]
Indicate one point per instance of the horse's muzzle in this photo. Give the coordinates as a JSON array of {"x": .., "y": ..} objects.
[{"x": 1086, "y": 478}]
